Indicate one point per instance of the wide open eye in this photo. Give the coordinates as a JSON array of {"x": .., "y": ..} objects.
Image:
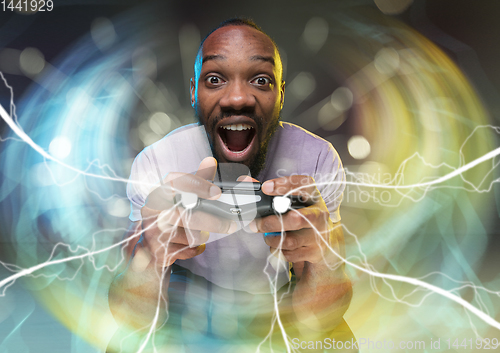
[
  {"x": 214, "y": 81},
  {"x": 261, "y": 81}
]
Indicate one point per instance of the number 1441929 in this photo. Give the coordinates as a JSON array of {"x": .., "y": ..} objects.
[
  {"x": 27, "y": 5},
  {"x": 479, "y": 343}
]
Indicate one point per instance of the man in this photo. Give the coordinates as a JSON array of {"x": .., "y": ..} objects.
[{"x": 209, "y": 289}]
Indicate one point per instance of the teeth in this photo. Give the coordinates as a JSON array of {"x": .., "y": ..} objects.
[{"x": 238, "y": 127}]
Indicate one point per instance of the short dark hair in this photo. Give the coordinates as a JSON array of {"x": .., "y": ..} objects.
[{"x": 236, "y": 21}]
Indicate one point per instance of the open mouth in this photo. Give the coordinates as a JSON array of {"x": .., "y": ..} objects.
[{"x": 236, "y": 140}]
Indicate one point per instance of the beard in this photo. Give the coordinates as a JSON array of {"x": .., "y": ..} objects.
[{"x": 257, "y": 161}]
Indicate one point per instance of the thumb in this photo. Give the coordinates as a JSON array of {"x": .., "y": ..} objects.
[
  {"x": 246, "y": 178},
  {"x": 141, "y": 260},
  {"x": 207, "y": 168}
]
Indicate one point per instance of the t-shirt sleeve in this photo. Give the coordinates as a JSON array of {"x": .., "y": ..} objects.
[
  {"x": 143, "y": 178},
  {"x": 330, "y": 180}
]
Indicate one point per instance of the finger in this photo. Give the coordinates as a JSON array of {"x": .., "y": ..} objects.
[
  {"x": 150, "y": 230},
  {"x": 163, "y": 221},
  {"x": 161, "y": 198},
  {"x": 156, "y": 250},
  {"x": 165, "y": 254},
  {"x": 198, "y": 220},
  {"x": 293, "y": 240},
  {"x": 305, "y": 253},
  {"x": 141, "y": 260},
  {"x": 182, "y": 182},
  {"x": 301, "y": 185},
  {"x": 188, "y": 237},
  {"x": 155, "y": 235},
  {"x": 207, "y": 168},
  {"x": 308, "y": 217},
  {"x": 147, "y": 213},
  {"x": 246, "y": 178},
  {"x": 166, "y": 227},
  {"x": 151, "y": 226},
  {"x": 183, "y": 252},
  {"x": 156, "y": 222}
]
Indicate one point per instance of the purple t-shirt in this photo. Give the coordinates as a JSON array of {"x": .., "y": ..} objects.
[{"x": 242, "y": 260}]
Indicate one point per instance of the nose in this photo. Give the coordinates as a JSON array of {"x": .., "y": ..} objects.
[{"x": 237, "y": 96}]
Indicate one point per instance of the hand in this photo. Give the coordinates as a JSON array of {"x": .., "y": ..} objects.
[
  {"x": 168, "y": 233},
  {"x": 308, "y": 233},
  {"x": 322, "y": 293},
  {"x": 171, "y": 232}
]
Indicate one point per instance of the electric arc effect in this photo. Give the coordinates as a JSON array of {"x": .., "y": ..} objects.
[{"x": 412, "y": 212}]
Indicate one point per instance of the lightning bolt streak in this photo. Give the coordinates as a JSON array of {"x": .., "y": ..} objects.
[
  {"x": 20, "y": 133},
  {"x": 413, "y": 281},
  {"x": 274, "y": 286},
  {"x": 456, "y": 172},
  {"x": 166, "y": 260},
  {"x": 464, "y": 283},
  {"x": 24, "y": 137},
  {"x": 165, "y": 267},
  {"x": 416, "y": 282},
  {"x": 30, "y": 270}
]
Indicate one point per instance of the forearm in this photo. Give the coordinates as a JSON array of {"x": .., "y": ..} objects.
[
  {"x": 321, "y": 296},
  {"x": 137, "y": 297}
]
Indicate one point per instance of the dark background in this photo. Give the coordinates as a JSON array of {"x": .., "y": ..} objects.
[{"x": 467, "y": 31}]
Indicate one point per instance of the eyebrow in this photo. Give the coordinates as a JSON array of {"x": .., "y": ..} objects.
[
  {"x": 269, "y": 59},
  {"x": 212, "y": 57},
  {"x": 263, "y": 58}
]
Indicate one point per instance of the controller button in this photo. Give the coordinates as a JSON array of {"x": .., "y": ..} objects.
[
  {"x": 189, "y": 200},
  {"x": 281, "y": 204}
]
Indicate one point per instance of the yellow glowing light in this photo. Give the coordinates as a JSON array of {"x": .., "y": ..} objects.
[
  {"x": 387, "y": 61},
  {"x": 302, "y": 85},
  {"x": 393, "y": 7},
  {"x": 359, "y": 147},
  {"x": 342, "y": 99},
  {"x": 160, "y": 123},
  {"x": 315, "y": 33},
  {"x": 329, "y": 117},
  {"x": 31, "y": 61}
]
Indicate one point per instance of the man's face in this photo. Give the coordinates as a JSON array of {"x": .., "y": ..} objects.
[{"x": 238, "y": 94}]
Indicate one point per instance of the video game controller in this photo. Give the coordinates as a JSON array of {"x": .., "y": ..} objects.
[{"x": 241, "y": 201}]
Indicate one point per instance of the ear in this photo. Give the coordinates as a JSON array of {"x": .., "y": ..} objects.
[
  {"x": 192, "y": 90},
  {"x": 282, "y": 93}
]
